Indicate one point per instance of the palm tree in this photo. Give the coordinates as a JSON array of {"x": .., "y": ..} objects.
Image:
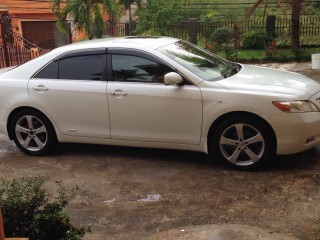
[
  {"x": 86, "y": 15},
  {"x": 296, "y": 7}
]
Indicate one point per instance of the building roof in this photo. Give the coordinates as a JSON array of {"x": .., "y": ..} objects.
[{"x": 24, "y": 6}]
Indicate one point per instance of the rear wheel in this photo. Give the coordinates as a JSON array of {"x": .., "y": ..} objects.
[
  {"x": 243, "y": 143},
  {"x": 33, "y": 133}
]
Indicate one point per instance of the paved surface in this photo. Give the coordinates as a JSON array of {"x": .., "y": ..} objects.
[
  {"x": 133, "y": 193},
  {"x": 221, "y": 232},
  {"x": 303, "y": 68}
]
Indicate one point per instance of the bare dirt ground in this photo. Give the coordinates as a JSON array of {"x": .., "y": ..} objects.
[{"x": 133, "y": 193}]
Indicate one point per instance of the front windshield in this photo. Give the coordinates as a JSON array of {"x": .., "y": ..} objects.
[{"x": 199, "y": 61}]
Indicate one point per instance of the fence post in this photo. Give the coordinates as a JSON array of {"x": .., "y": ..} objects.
[
  {"x": 127, "y": 29},
  {"x": 192, "y": 29},
  {"x": 271, "y": 25},
  {"x": 133, "y": 28}
]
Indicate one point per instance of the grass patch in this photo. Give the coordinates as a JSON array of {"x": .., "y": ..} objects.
[{"x": 280, "y": 55}]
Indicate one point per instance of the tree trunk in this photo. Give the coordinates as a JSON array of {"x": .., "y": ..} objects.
[
  {"x": 130, "y": 19},
  {"x": 1, "y": 227},
  {"x": 253, "y": 8},
  {"x": 295, "y": 18}
]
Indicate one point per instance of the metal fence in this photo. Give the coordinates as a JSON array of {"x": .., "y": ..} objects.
[
  {"x": 179, "y": 30},
  {"x": 309, "y": 27},
  {"x": 12, "y": 55},
  {"x": 118, "y": 30}
]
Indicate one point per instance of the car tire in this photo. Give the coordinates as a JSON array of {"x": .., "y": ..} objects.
[
  {"x": 33, "y": 133},
  {"x": 243, "y": 143}
]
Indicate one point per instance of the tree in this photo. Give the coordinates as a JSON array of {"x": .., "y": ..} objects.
[
  {"x": 127, "y": 4},
  {"x": 86, "y": 15},
  {"x": 157, "y": 16},
  {"x": 296, "y": 7}
]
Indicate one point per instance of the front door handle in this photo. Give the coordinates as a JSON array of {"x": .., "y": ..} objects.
[
  {"x": 119, "y": 93},
  {"x": 40, "y": 88}
]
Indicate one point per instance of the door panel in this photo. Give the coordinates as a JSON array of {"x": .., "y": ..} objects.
[
  {"x": 79, "y": 108},
  {"x": 72, "y": 90},
  {"x": 155, "y": 112}
]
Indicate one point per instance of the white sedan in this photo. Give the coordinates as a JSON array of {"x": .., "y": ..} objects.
[{"x": 158, "y": 92}]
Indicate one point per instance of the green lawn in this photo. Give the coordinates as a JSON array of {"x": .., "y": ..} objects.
[{"x": 281, "y": 55}]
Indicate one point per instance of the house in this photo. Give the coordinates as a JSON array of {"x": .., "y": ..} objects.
[
  {"x": 35, "y": 22},
  {"x": 32, "y": 29}
]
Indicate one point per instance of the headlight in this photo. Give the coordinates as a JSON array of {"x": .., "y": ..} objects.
[{"x": 296, "y": 106}]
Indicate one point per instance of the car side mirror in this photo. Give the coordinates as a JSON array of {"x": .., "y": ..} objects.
[{"x": 172, "y": 78}]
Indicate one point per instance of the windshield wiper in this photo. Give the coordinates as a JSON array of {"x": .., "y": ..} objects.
[
  {"x": 236, "y": 67},
  {"x": 231, "y": 69}
]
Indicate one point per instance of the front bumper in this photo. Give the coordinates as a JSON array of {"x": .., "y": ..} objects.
[{"x": 296, "y": 132}]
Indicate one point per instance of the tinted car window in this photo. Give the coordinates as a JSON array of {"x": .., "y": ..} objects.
[
  {"x": 49, "y": 72},
  {"x": 137, "y": 69},
  {"x": 88, "y": 67}
]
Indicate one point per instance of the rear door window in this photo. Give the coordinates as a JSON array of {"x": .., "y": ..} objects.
[{"x": 76, "y": 67}]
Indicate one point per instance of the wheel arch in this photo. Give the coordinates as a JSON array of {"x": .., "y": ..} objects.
[
  {"x": 226, "y": 116},
  {"x": 22, "y": 108}
]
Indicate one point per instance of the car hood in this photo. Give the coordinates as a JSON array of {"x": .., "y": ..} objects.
[{"x": 261, "y": 79}]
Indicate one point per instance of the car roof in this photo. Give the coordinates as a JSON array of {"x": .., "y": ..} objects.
[
  {"x": 144, "y": 43},
  {"x": 141, "y": 42}
]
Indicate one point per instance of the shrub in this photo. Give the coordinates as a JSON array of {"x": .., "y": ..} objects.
[
  {"x": 157, "y": 16},
  {"x": 272, "y": 50},
  {"x": 231, "y": 53},
  {"x": 29, "y": 211},
  {"x": 221, "y": 35},
  {"x": 214, "y": 47},
  {"x": 256, "y": 40},
  {"x": 300, "y": 55}
]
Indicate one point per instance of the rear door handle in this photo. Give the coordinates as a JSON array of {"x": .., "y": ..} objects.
[{"x": 40, "y": 88}]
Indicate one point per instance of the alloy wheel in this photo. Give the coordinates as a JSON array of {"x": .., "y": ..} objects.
[
  {"x": 31, "y": 133},
  {"x": 242, "y": 144}
]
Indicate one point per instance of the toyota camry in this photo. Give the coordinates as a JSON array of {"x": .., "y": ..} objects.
[{"x": 158, "y": 92}]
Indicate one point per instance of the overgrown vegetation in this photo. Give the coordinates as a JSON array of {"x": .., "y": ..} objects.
[
  {"x": 29, "y": 211},
  {"x": 280, "y": 55},
  {"x": 86, "y": 16},
  {"x": 157, "y": 16},
  {"x": 256, "y": 40},
  {"x": 222, "y": 35}
]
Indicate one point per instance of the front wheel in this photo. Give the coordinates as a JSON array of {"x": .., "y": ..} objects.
[
  {"x": 33, "y": 133},
  {"x": 243, "y": 143}
]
